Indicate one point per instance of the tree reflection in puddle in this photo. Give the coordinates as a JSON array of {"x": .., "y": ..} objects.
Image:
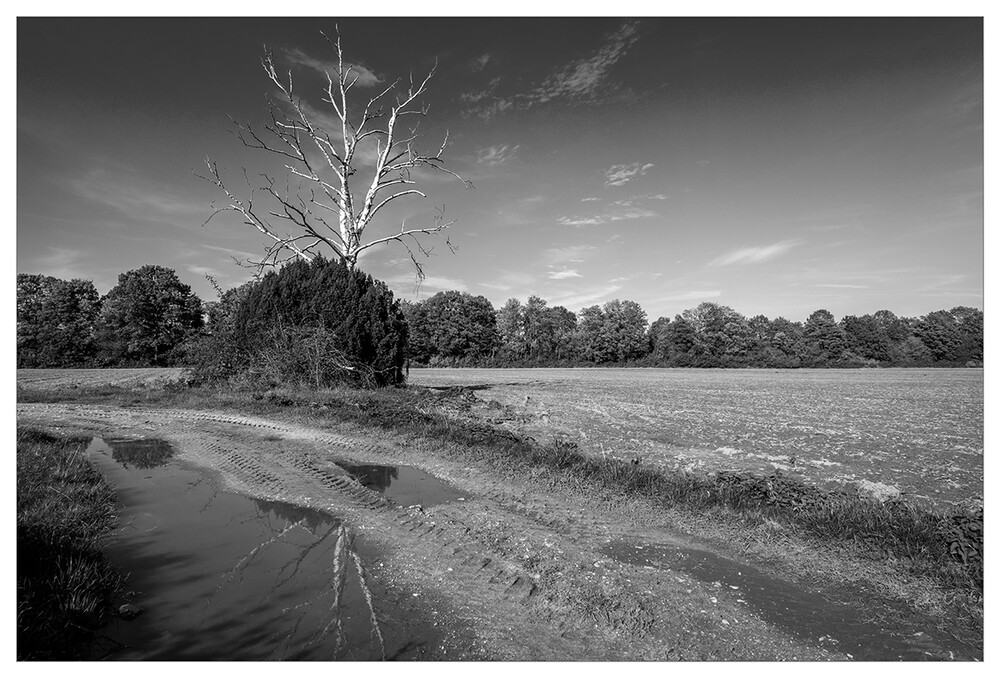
[
  {"x": 404, "y": 485},
  {"x": 142, "y": 454},
  {"x": 222, "y": 576}
]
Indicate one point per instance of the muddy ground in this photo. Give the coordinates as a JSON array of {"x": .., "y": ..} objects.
[{"x": 528, "y": 569}]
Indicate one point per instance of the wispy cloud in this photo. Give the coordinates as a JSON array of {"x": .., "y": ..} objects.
[
  {"x": 206, "y": 270},
  {"x": 61, "y": 262},
  {"x": 692, "y": 295},
  {"x": 239, "y": 255},
  {"x": 755, "y": 255},
  {"x": 577, "y": 299},
  {"x": 618, "y": 175},
  {"x": 581, "y": 81},
  {"x": 571, "y": 254},
  {"x": 497, "y": 155},
  {"x": 480, "y": 63},
  {"x": 408, "y": 284},
  {"x": 486, "y": 103},
  {"x": 365, "y": 78},
  {"x": 139, "y": 201},
  {"x": 564, "y": 274},
  {"x": 581, "y": 221},
  {"x": 608, "y": 217},
  {"x": 585, "y": 78},
  {"x": 843, "y": 286}
]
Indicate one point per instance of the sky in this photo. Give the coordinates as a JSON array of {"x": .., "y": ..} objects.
[{"x": 776, "y": 166}]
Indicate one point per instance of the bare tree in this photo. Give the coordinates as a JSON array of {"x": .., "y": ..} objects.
[{"x": 323, "y": 211}]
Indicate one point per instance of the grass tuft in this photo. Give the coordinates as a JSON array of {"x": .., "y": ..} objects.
[{"x": 65, "y": 588}]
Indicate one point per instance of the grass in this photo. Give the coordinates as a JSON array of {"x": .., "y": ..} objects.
[
  {"x": 65, "y": 588},
  {"x": 945, "y": 547}
]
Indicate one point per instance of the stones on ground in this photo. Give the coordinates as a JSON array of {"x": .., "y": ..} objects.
[{"x": 878, "y": 491}]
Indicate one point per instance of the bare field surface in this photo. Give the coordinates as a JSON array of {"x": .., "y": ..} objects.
[
  {"x": 919, "y": 431},
  {"x": 65, "y": 378}
]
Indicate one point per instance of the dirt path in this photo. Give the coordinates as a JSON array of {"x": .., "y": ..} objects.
[{"x": 516, "y": 571}]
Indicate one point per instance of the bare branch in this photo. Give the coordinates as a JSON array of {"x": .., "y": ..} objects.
[{"x": 324, "y": 163}]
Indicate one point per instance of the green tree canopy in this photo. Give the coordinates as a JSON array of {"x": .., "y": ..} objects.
[
  {"x": 453, "y": 326},
  {"x": 55, "y": 321},
  {"x": 146, "y": 316},
  {"x": 823, "y": 338}
]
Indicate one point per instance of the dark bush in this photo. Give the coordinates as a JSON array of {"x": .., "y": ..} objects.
[{"x": 317, "y": 323}]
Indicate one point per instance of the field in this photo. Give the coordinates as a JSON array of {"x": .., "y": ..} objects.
[
  {"x": 920, "y": 431},
  {"x": 547, "y": 547},
  {"x": 126, "y": 377}
]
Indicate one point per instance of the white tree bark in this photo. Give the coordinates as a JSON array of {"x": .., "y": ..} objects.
[{"x": 322, "y": 213}]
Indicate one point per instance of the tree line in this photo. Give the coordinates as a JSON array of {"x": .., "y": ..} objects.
[
  {"x": 147, "y": 319},
  {"x": 318, "y": 322},
  {"x": 344, "y": 319},
  {"x": 456, "y": 328}
]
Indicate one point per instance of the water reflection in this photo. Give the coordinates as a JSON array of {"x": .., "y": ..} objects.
[
  {"x": 373, "y": 476},
  {"x": 405, "y": 485},
  {"x": 223, "y": 576},
  {"x": 141, "y": 454}
]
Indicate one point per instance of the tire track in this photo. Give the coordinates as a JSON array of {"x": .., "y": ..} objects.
[{"x": 434, "y": 550}]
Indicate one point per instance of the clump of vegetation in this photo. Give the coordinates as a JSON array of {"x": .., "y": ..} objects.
[
  {"x": 317, "y": 323},
  {"x": 65, "y": 587}
]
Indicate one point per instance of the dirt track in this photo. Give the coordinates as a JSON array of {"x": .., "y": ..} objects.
[{"x": 513, "y": 572}]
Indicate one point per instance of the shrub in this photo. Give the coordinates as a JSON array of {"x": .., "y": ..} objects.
[{"x": 317, "y": 323}]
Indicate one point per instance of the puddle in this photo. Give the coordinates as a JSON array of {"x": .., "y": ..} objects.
[
  {"x": 220, "y": 576},
  {"x": 837, "y": 626},
  {"x": 404, "y": 485}
]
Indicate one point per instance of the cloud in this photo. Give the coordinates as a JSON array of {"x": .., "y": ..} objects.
[
  {"x": 498, "y": 287},
  {"x": 618, "y": 175},
  {"x": 589, "y": 199},
  {"x": 557, "y": 256},
  {"x": 608, "y": 217},
  {"x": 497, "y": 155},
  {"x": 432, "y": 282},
  {"x": 137, "y": 201},
  {"x": 581, "y": 221},
  {"x": 755, "y": 255},
  {"x": 206, "y": 270},
  {"x": 480, "y": 63},
  {"x": 61, "y": 262},
  {"x": 365, "y": 78},
  {"x": 585, "y": 78},
  {"x": 564, "y": 274},
  {"x": 579, "y": 299},
  {"x": 486, "y": 104},
  {"x": 581, "y": 81},
  {"x": 844, "y": 286},
  {"x": 239, "y": 255},
  {"x": 692, "y": 295}
]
